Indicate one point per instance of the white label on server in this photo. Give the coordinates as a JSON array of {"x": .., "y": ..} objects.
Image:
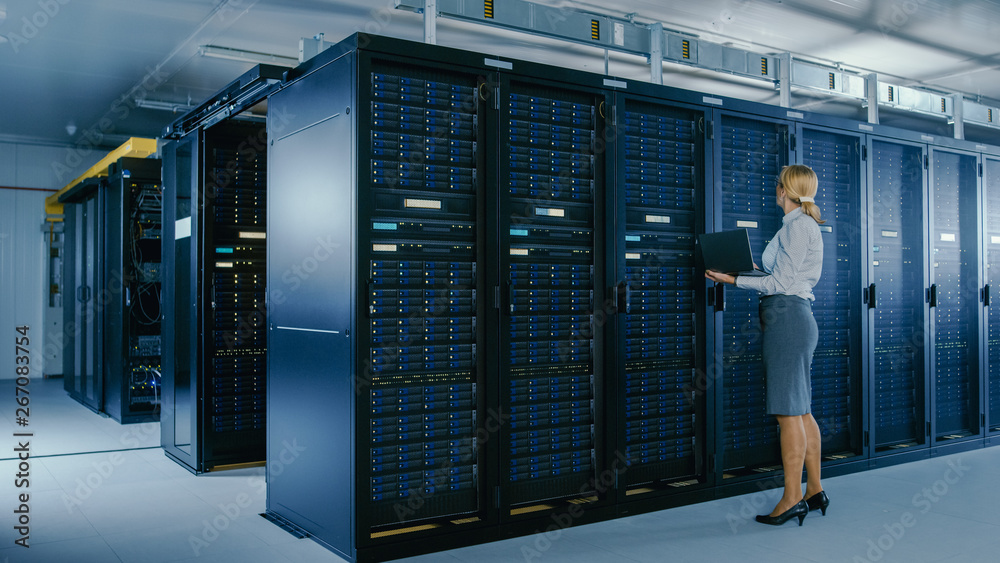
[
  {"x": 632, "y": 256},
  {"x": 826, "y": 228},
  {"x": 422, "y": 203},
  {"x": 657, "y": 218},
  {"x": 550, "y": 212},
  {"x": 182, "y": 228},
  {"x": 383, "y": 248},
  {"x": 518, "y": 251},
  {"x": 874, "y": 262},
  {"x": 865, "y": 127},
  {"x": 223, "y": 264},
  {"x": 994, "y": 240},
  {"x": 796, "y": 115},
  {"x": 711, "y": 100},
  {"x": 747, "y": 224},
  {"x": 890, "y": 234},
  {"x": 948, "y": 237}
]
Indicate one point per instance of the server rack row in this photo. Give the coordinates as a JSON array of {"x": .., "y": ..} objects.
[
  {"x": 514, "y": 329},
  {"x": 112, "y": 271}
]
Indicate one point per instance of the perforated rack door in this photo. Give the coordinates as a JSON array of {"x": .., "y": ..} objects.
[
  {"x": 235, "y": 251},
  {"x": 897, "y": 244},
  {"x": 548, "y": 273},
  {"x": 663, "y": 196},
  {"x": 753, "y": 152},
  {"x": 423, "y": 310},
  {"x": 991, "y": 197},
  {"x": 955, "y": 293},
  {"x": 836, "y": 367}
]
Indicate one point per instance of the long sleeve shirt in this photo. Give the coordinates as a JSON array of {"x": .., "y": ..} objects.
[{"x": 793, "y": 259}]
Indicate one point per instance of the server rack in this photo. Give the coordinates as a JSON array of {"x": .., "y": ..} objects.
[
  {"x": 551, "y": 271},
  {"x": 896, "y": 300},
  {"x": 131, "y": 269},
  {"x": 837, "y": 379},
  {"x": 954, "y": 295},
  {"x": 215, "y": 345},
  {"x": 378, "y": 347},
  {"x": 752, "y": 152},
  {"x": 991, "y": 254},
  {"x": 82, "y": 278},
  {"x": 113, "y": 263},
  {"x": 659, "y": 366}
]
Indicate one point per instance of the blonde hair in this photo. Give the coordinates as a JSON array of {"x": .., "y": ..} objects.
[{"x": 798, "y": 180}]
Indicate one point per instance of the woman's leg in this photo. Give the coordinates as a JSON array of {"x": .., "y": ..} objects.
[
  {"x": 813, "y": 443},
  {"x": 793, "y": 453}
]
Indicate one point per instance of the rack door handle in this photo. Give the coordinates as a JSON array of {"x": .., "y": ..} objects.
[
  {"x": 986, "y": 295},
  {"x": 932, "y": 295},
  {"x": 720, "y": 298},
  {"x": 870, "y": 297}
]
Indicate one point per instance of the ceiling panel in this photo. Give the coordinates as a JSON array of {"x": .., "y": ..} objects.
[{"x": 82, "y": 59}]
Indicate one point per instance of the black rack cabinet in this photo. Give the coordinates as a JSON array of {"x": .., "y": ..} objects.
[
  {"x": 751, "y": 153},
  {"x": 896, "y": 297},
  {"x": 132, "y": 270},
  {"x": 378, "y": 306},
  {"x": 214, "y": 325},
  {"x": 954, "y": 294},
  {"x": 550, "y": 349},
  {"x": 113, "y": 227},
  {"x": 837, "y": 380},
  {"x": 991, "y": 217},
  {"x": 659, "y": 207}
]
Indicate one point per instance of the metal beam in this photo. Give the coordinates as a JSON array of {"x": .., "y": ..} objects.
[
  {"x": 136, "y": 147},
  {"x": 958, "y": 105},
  {"x": 656, "y": 53},
  {"x": 430, "y": 22},
  {"x": 657, "y": 44},
  {"x": 871, "y": 94}
]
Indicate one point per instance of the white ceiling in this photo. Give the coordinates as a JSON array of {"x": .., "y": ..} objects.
[{"x": 83, "y": 62}]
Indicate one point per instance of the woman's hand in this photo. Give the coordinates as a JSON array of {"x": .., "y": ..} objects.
[{"x": 719, "y": 277}]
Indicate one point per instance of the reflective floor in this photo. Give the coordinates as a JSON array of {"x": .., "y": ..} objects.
[{"x": 137, "y": 505}]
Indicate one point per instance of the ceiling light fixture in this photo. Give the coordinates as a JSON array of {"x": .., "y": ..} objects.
[
  {"x": 174, "y": 107},
  {"x": 255, "y": 57}
]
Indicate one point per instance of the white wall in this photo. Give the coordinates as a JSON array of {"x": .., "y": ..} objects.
[{"x": 24, "y": 245}]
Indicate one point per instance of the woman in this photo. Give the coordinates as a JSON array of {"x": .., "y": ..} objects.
[{"x": 793, "y": 261}]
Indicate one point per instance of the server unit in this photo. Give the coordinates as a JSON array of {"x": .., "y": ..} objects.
[
  {"x": 214, "y": 326},
  {"x": 751, "y": 152},
  {"x": 661, "y": 381},
  {"x": 837, "y": 379},
  {"x": 132, "y": 268},
  {"x": 991, "y": 266},
  {"x": 379, "y": 301},
  {"x": 113, "y": 266},
  {"x": 954, "y": 295},
  {"x": 896, "y": 298}
]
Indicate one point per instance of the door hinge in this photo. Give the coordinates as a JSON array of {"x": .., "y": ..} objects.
[
  {"x": 866, "y": 438},
  {"x": 928, "y": 428}
]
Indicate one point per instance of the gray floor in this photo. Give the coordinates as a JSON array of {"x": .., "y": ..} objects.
[{"x": 137, "y": 505}]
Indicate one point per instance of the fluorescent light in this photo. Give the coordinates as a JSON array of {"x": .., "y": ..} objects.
[
  {"x": 164, "y": 106},
  {"x": 216, "y": 52}
]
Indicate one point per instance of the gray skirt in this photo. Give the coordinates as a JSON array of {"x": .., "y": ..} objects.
[{"x": 790, "y": 337}]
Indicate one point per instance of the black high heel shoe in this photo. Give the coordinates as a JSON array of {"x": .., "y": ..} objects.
[
  {"x": 818, "y": 501},
  {"x": 799, "y": 510}
]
